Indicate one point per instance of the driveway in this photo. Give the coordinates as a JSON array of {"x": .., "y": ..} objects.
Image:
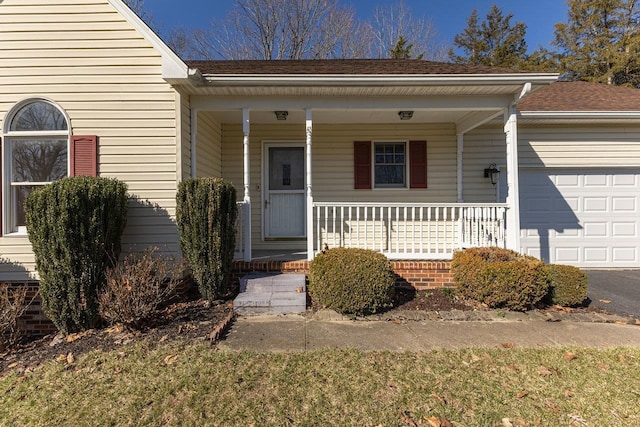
[{"x": 616, "y": 291}]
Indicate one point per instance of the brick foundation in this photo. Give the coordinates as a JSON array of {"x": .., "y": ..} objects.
[
  {"x": 34, "y": 322},
  {"x": 417, "y": 274}
]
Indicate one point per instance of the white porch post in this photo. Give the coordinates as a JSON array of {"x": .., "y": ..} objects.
[
  {"x": 247, "y": 183},
  {"x": 194, "y": 141},
  {"x": 513, "y": 197},
  {"x": 460, "y": 166},
  {"x": 309, "y": 132}
]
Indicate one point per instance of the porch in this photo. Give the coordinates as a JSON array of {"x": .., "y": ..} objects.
[{"x": 400, "y": 231}]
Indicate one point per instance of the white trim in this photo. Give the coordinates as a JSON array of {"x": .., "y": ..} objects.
[
  {"x": 194, "y": 142},
  {"x": 309, "y": 176},
  {"x": 460, "y": 166},
  {"x": 407, "y": 171},
  {"x": 172, "y": 66},
  {"x": 513, "y": 198}
]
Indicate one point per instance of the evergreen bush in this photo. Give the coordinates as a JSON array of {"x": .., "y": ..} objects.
[
  {"x": 75, "y": 226},
  {"x": 500, "y": 278},
  {"x": 206, "y": 215},
  {"x": 568, "y": 285},
  {"x": 352, "y": 281}
]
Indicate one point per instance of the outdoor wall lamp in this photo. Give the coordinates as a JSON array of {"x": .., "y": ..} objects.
[
  {"x": 405, "y": 115},
  {"x": 493, "y": 173},
  {"x": 281, "y": 115}
]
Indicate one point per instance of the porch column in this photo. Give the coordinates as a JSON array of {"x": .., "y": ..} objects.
[
  {"x": 460, "y": 167},
  {"x": 247, "y": 178},
  {"x": 194, "y": 141},
  {"x": 513, "y": 197},
  {"x": 309, "y": 132}
]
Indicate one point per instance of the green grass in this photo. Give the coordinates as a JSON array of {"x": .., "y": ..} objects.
[{"x": 194, "y": 384}]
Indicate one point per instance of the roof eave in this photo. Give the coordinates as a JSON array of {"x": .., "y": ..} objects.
[
  {"x": 377, "y": 79},
  {"x": 581, "y": 115}
]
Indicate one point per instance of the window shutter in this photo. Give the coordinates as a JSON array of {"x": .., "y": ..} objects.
[
  {"x": 84, "y": 155},
  {"x": 362, "y": 165},
  {"x": 417, "y": 164}
]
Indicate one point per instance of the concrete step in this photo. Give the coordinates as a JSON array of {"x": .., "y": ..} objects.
[{"x": 263, "y": 293}]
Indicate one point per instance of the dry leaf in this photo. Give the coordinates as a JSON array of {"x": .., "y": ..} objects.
[
  {"x": 170, "y": 359},
  {"x": 522, "y": 394},
  {"x": 299, "y": 289},
  {"x": 61, "y": 358},
  {"x": 552, "y": 406},
  {"x": 70, "y": 358},
  {"x": 637, "y": 321},
  {"x": 568, "y": 394},
  {"x": 570, "y": 356},
  {"x": 508, "y": 345},
  {"x": 605, "y": 301},
  {"x": 506, "y": 422},
  {"x": 439, "y": 398},
  {"x": 438, "y": 422},
  {"x": 163, "y": 338},
  {"x": 544, "y": 372},
  {"x": 406, "y": 418}
]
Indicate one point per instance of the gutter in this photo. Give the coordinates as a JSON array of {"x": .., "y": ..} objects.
[
  {"x": 368, "y": 80},
  {"x": 586, "y": 115}
]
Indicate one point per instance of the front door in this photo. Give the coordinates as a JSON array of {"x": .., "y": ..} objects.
[{"x": 284, "y": 201}]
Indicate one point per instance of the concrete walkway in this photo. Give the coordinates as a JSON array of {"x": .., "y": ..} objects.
[{"x": 308, "y": 332}]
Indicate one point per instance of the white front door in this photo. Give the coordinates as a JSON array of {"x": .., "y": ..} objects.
[{"x": 284, "y": 198}]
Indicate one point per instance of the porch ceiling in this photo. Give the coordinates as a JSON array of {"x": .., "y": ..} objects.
[{"x": 342, "y": 116}]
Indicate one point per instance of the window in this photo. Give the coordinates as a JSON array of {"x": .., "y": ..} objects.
[
  {"x": 389, "y": 165},
  {"x": 35, "y": 153}
]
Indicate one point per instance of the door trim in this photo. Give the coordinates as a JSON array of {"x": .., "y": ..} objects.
[{"x": 264, "y": 185}]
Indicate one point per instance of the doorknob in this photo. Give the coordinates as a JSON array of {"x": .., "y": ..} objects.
[{"x": 266, "y": 203}]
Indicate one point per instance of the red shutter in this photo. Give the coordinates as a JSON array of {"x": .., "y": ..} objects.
[
  {"x": 417, "y": 164},
  {"x": 362, "y": 165},
  {"x": 84, "y": 155}
]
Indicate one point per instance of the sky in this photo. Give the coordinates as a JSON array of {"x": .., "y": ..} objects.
[{"x": 449, "y": 16}]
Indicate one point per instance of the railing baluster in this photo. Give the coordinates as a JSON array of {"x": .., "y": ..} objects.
[{"x": 421, "y": 210}]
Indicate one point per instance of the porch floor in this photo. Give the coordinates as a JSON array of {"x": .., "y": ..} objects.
[
  {"x": 269, "y": 293},
  {"x": 278, "y": 255}
]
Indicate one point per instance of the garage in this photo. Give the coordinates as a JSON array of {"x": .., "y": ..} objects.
[{"x": 588, "y": 217}]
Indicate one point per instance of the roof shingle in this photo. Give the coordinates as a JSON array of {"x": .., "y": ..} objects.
[
  {"x": 582, "y": 96},
  {"x": 343, "y": 66}
]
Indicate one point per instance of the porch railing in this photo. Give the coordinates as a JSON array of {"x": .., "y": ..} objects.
[{"x": 409, "y": 230}]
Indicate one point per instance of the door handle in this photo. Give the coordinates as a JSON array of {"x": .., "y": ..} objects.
[{"x": 266, "y": 203}]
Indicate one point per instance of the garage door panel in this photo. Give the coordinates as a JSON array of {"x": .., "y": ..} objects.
[{"x": 586, "y": 217}]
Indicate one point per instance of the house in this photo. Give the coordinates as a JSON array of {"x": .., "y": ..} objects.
[{"x": 412, "y": 158}]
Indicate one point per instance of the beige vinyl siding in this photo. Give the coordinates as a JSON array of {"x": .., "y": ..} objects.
[
  {"x": 84, "y": 56},
  {"x": 332, "y": 164},
  {"x": 209, "y": 146},
  {"x": 482, "y": 147},
  {"x": 579, "y": 145}
]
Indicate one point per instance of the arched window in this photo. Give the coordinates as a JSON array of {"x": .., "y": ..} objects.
[{"x": 35, "y": 153}]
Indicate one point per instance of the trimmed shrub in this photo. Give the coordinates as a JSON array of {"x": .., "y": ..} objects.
[
  {"x": 75, "y": 226},
  {"x": 206, "y": 215},
  {"x": 13, "y": 304},
  {"x": 137, "y": 286},
  {"x": 500, "y": 278},
  {"x": 568, "y": 285},
  {"x": 353, "y": 281}
]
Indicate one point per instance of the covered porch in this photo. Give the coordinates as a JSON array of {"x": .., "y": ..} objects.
[{"x": 367, "y": 161}]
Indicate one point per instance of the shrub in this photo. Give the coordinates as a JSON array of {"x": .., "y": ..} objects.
[
  {"x": 354, "y": 281},
  {"x": 13, "y": 304},
  {"x": 500, "y": 278},
  {"x": 206, "y": 215},
  {"x": 136, "y": 286},
  {"x": 75, "y": 226},
  {"x": 568, "y": 285}
]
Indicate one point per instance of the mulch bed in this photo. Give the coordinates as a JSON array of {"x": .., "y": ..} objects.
[{"x": 186, "y": 320}]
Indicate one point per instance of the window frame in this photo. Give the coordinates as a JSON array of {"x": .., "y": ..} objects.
[
  {"x": 406, "y": 170},
  {"x": 9, "y": 137}
]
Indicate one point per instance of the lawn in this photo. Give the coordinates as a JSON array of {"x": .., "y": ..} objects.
[{"x": 190, "y": 383}]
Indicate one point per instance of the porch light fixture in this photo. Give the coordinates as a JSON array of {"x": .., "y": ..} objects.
[
  {"x": 405, "y": 115},
  {"x": 281, "y": 115},
  {"x": 493, "y": 173}
]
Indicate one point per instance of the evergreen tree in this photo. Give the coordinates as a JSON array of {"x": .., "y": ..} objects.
[
  {"x": 403, "y": 51},
  {"x": 601, "y": 41},
  {"x": 493, "y": 42}
]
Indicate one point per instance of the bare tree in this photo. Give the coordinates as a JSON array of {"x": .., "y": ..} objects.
[
  {"x": 282, "y": 29},
  {"x": 138, "y": 7},
  {"x": 391, "y": 23}
]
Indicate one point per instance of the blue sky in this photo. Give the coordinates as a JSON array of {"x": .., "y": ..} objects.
[{"x": 449, "y": 16}]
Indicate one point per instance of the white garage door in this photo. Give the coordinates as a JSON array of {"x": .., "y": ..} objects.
[{"x": 586, "y": 217}]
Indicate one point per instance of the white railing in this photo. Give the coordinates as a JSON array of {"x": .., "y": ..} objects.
[
  {"x": 409, "y": 230},
  {"x": 240, "y": 231}
]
